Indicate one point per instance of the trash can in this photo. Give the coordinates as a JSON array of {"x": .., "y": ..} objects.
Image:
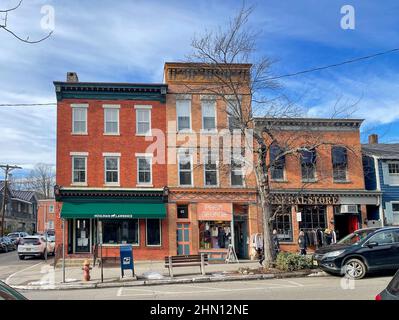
[{"x": 126, "y": 254}]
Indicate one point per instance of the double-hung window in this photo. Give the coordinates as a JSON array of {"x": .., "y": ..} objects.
[
  {"x": 143, "y": 120},
  {"x": 210, "y": 167},
  {"x": 308, "y": 165},
  {"x": 277, "y": 163},
  {"x": 144, "y": 170},
  {"x": 79, "y": 169},
  {"x": 79, "y": 118},
  {"x": 185, "y": 164},
  {"x": 111, "y": 119},
  {"x": 233, "y": 114},
  {"x": 395, "y": 212},
  {"x": 340, "y": 163},
  {"x": 393, "y": 168},
  {"x": 183, "y": 113},
  {"x": 208, "y": 114},
  {"x": 111, "y": 163},
  {"x": 237, "y": 176}
]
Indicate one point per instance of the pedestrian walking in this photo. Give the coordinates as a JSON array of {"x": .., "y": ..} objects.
[
  {"x": 276, "y": 243},
  {"x": 302, "y": 243}
]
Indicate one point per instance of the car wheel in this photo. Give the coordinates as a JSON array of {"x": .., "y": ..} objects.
[
  {"x": 355, "y": 269},
  {"x": 21, "y": 257}
]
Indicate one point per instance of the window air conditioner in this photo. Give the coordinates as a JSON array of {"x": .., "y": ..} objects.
[{"x": 349, "y": 208}]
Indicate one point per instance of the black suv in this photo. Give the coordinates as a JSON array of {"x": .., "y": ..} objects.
[{"x": 363, "y": 251}]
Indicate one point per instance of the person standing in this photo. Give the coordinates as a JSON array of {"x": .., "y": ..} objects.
[
  {"x": 302, "y": 243},
  {"x": 276, "y": 243}
]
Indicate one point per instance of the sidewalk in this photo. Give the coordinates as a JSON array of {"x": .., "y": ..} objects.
[{"x": 44, "y": 277}]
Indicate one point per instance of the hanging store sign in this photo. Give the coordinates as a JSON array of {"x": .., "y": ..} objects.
[
  {"x": 304, "y": 199},
  {"x": 214, "y": 211}
]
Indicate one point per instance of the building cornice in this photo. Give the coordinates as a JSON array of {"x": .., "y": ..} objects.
[
  {"x": 110, "y": 91},
  {"x": 312, "y": 123}
]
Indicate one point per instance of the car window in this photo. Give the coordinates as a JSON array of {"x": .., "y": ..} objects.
[
  {"x": 393, "y": 287},
  {"x": 355, "y": 237},
  {"x": 386, "y": 237}
]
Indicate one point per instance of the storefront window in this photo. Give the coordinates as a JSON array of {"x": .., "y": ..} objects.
[
  {"x": 153, "y": 232},
  {"x": 313, "y": 217},
  {"x": 121, "y": 231},
  {"x": 214, "y": 234},
  {"x": 283, "y": 223}
]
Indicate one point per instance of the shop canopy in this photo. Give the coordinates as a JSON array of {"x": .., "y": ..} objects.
[{"x": 113, "y": 210}]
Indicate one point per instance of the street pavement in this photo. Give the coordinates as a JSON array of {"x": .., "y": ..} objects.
[
  {"x": 313, "y": 288},
  {"x": 309, "y": 288},
  {"x": 10, "y": 264}
]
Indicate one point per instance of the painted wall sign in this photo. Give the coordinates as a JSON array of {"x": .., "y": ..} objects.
[
  {"x": 214, "y": 211},
  {"x": 304, "y": 199}
]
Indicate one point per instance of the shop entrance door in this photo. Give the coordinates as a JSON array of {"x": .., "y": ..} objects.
[
  {"x": 345, "y": 224},
  {"x": 240, "y": 238},
  {"x": 183, "y": 238},
  {"x": 82, "y": 235}
]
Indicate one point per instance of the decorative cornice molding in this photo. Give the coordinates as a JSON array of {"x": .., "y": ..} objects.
[{"x": 110, "y": 91}]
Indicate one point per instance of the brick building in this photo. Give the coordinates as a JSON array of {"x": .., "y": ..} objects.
[
  {"x": 322, "y": 185},
  {"x": 211, "y": 204},
  {"x": 46, "y": 215},
  {"x": 109, "y": 188}
]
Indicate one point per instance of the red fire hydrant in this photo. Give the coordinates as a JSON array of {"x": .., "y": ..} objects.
[{"x": 86, "y": 270}]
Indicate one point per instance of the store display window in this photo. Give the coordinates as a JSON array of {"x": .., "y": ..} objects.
[{"x": 215, "y": 234}]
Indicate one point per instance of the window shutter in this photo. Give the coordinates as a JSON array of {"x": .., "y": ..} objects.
[{"x": 388, "y": 213}]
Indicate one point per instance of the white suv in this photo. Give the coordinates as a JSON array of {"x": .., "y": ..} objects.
[{"x": 34, "y": 246}]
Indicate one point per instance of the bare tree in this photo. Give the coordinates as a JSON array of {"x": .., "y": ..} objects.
[
  {"x": 4, "y": 26},
  {"x": 42, "y": 179},
  {"x": 224, "y": 50}
]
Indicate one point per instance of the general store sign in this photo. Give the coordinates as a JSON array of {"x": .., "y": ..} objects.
[
  {"x": 214, "y": 211},
  {"x": 304, "y": 199}
]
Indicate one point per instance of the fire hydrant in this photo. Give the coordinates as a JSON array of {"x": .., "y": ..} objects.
[{"x": 86, "y": 270}]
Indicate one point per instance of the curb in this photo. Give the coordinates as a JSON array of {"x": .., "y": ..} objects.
[{"x": 137, "y": 283}]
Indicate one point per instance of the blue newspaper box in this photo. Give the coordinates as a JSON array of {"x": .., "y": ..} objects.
[{"x": 126, "y": 255}]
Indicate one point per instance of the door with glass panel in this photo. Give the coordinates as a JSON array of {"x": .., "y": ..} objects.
[
  {"x": 82, "y": 235},
  {"x": 183, "y": 238}
]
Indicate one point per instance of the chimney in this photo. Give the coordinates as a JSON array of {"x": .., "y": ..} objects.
[
  {"x": 72, "y": 77},
  {"x": 373, "y": 138}
]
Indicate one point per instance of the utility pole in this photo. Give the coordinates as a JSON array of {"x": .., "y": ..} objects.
[{"x": 7, "y": 169}]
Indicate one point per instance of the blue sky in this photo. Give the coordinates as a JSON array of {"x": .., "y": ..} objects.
[{"x": 106, "y": 40}]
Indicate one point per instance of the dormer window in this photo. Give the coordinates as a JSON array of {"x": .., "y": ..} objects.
[{"x": 393, "y": 168}]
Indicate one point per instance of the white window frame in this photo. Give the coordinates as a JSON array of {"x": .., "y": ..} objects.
[
  {"x": 217, "y": 171},
  {"x": 143, "y": 156},
  {"x": 141, "y": 108},
  {"x": 160, "y": 235},
  {"x": 107, "y": 107},
  {"x": 394, "y": 212},
  {"x": 78, "y": 155},
  {"x": 243, "y": 176},
  {"x": 213, "y": 100},
  {"x": 182, "y": 154},
  {"x": 81, "y": 106},
  {"x": 392, "y": 162},
  {"x": 112, "y": 155},
  {"x": 190, "y": 113}
]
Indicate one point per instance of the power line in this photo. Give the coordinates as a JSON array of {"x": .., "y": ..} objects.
[
  {"x": 333, "y": 65},
  {"x": 265, "y": 78},
  {"x": 27, "y": 104}
]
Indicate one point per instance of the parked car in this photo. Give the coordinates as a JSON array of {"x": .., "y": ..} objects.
[
  {"x": 8, "y": 293},
  {"x": 361, "y": 252},
  {"x": 8, "y": 244},
  {"x": 391, "y": 292},
  {"x": 17, "y": 236},
  {"x": 35, "y": 246},
  {"x": 3, "y": 247}
]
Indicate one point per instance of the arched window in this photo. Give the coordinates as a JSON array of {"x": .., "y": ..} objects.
[
  {"x": 277, "y": 163},
  {"x": 340, "y": 163}
]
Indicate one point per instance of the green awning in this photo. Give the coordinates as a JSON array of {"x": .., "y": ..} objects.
[{"x": 113, "y": 210}]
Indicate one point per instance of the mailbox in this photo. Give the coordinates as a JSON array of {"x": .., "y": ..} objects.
[{"x": 126, "y": 254}]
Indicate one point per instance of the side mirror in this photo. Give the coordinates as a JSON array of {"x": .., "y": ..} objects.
[{"x": 372, "y": 244}]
